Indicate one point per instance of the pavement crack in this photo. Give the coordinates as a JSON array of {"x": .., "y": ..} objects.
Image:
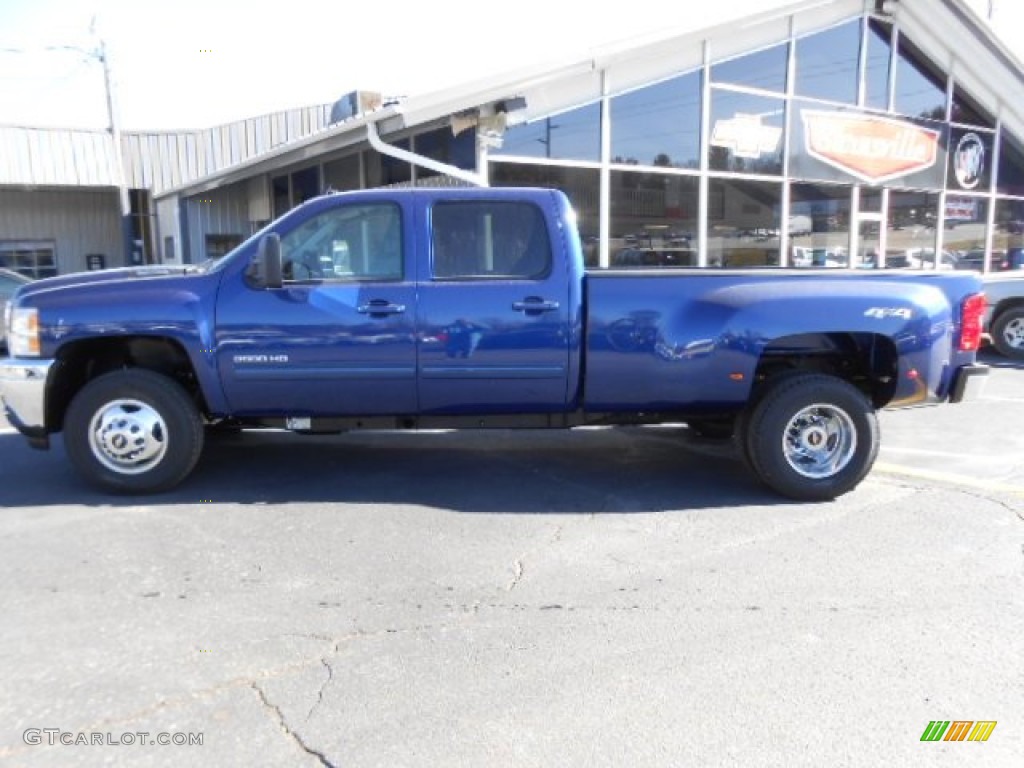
[
  {"x": 518, "y": 566},
  {"x": 283, "y": 723},
  {"x": 517, "y": 575},
  {"x": 323, "y": 686}
]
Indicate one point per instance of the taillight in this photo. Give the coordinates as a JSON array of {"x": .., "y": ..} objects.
[{"x": 972, "y": 311}]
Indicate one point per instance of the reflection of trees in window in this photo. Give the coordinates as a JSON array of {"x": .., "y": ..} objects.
[
  {"x": 762, "y": 69},
  {"x": 967, "y": 110},
  {"x": 920, "y": 85},
  {"x": 572, "y": 135},
  {"x": 658, "y": 125},
  {"x": 826, "y": 63}
]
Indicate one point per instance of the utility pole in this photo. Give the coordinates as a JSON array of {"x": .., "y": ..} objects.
[{"x": 114, "y": 126}]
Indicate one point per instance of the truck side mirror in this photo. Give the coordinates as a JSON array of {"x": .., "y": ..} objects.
[{"x": 265, "y": 268}]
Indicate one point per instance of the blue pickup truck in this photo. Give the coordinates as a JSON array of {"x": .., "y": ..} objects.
[{"x": 451, "y": 308}]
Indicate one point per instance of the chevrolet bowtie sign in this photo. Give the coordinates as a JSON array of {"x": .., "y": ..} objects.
[
  {"x": 872, "y": 148},
  {"x": 746, "y": 136}
]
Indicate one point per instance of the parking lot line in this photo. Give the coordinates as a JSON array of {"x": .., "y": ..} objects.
[{"x": 950, "y": 478}]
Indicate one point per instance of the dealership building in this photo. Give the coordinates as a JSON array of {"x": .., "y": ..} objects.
[{"x": 824, "y": 133}]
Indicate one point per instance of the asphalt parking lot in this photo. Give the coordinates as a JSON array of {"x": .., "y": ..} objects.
[{"x": 596, "y": 598}]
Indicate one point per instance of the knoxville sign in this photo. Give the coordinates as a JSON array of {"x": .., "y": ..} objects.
[{"x": 873, "y": 149}]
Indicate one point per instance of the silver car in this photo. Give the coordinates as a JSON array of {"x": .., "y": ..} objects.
[{"x": 9, "y": 283}]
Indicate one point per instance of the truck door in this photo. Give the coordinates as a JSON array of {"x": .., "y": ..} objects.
[
  {"x": 338, "y": 338},
  {"x": 494, "y": 310}
]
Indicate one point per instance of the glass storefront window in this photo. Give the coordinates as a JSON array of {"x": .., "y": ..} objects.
[
  {"x": 826, "y": 64},
  {"x": 920, "y": 85},
  {"x": 654, "y": 220},
  {"x": 1010, "y": 180},
  {"x": 581, "y": 185},
  {"x": 393, "y": 170},
  {"x": 440, "y": 145},
  {"x": 658, "y": 125},
  {"x": 342, "y": 174},
  {"x": 1008, "y": 239},
  {"x": 819, "y": 225},
  {"x": 966, "y": 110},
  {"x": 964, "y": 230},
  {"x": 746, "y": 133},
  {"x": 762, "y": 69},
  {"x": 870, "y": 200},
  {"x": 910, "y": 231},
  {"x": 879, "y": 56},
  {"x": 743, "y": 223},
  {"x": 572, "y": 135}
]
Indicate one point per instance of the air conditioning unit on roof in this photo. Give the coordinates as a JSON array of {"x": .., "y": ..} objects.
[{"x": 355, "y": 103}]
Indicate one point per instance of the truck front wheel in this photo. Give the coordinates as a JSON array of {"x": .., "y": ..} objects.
[
  {"x": 812, "y": 437},
  {"x": 133, "y": 431}
]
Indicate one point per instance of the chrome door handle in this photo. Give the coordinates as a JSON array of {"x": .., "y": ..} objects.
[
  {"x": 532, "y": 304},
  {"x": 380, "y": 307}
]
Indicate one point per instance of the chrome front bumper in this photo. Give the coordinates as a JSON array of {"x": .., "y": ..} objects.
[{"x": 23, "y": 394}]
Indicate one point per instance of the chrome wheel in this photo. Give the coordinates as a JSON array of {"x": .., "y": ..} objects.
[
  {"x": 819, "y": 441},
  {"x": 1013, "y": 333},
  {"x": 128, "y": 437}
]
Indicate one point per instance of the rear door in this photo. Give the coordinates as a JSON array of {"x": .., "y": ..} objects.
[{"x": 494, "y": 309}]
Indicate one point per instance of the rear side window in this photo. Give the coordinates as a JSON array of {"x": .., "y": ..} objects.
[{"x": 497, "y": 240}]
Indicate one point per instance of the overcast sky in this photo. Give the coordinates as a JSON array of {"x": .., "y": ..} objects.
[{"x": 194, "y": 63}]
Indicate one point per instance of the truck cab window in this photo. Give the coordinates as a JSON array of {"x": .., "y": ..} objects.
[
  {"x": 497, "y": 240},
  {"x": 351, "y": 242}
]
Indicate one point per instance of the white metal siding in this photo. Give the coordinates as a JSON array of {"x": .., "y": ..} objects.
[
  {"x": 78, "y": 221},
  {"x": 217, "y": 212},
  {"x": 163, "y": 161},
  {"x": 43, "y": 157}
]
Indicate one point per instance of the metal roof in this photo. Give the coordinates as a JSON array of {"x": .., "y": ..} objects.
[
  {"x": 948, "y": 31},
  {"x": 47, "y": 157},
  {"x": 156, "y": 160}
]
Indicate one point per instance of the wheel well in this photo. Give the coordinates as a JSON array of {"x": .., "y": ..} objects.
[
  {"x": 1005, "y": 306},
  {"x": 866, "y": 360},
  {"x": 81, "y": 361}
]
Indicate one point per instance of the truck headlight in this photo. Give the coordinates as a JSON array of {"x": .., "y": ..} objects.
[{"x": 23, "y": 332}]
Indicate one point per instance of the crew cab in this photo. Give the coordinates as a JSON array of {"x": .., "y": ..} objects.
[{"x": 413, "y": 308}]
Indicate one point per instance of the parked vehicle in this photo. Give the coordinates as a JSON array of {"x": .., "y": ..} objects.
[
  {"x": 9, "y": 282},
  {"x": 471, "y": 308},
  {"x": 1012, "y": 259},
  {"x": 1004, "y": 312},
  {"x": 1002, "y": 261}
]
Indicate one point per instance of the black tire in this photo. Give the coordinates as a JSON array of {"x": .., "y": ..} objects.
[
  {"x": 812, "y": 437},
  {"x": 1008, "y": 333},
  {"x": 133, "y": 431},
  {"x": 741, "y": 424}
]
